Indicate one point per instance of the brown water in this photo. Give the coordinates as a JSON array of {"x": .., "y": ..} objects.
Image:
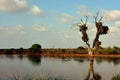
[{"x": 77, "y": 68}]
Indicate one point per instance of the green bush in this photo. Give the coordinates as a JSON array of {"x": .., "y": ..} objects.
[
  {"x": 63, "y": 50},
  {"x": 114, "y": 51},
  {"x": 115, "y": 47},
  {"x": 20, "y": 50},
  {"x": 35, "y": 48},
  {"x": 8, "y": 52},
  {"x": 82, "y": 48}
]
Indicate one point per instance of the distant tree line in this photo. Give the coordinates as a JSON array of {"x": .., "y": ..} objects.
[
  {"x": 34, "y": 49},
  {"x": 37, "y": 49}
]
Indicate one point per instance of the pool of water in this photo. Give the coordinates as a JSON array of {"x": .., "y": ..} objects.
[{"x": 72, "y": 68}]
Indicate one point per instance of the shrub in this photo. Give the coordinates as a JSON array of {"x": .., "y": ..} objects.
[
  {"x": 114, "y": 51},
  {"x": 35, "y": 48},
  {"x": 8, "y": 52},
  {"x": 81, "y": 47},
  {"x": 115, "y": 47},
  {"x": 20, "y": 50},
  {"x": 63, "y": 50}
]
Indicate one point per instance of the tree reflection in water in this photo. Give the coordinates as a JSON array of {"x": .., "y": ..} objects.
[
  {"x": 20, "y": 57},
  {"x": 95, "y": 76},
  {"x": 116, "y": 60},
  {"x": 79, "y": 59},
  {"x": 34, "y": 59},
  {"x": 10, "y": 57}
]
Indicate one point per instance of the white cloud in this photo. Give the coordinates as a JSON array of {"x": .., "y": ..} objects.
[
  {"x": 117, "y": 24},
  {"x": 40, "y": 27},
  {"x": 112, "y": 15},
  {"x": 17, "y": 30},
  {"x": 16, "y": 6},
  {"x": 64, "y": 18},
  {"x": 13, "y": 6},
  {"x": 82, "y": 10},
  {"x": 36, "y": 11},
  {"x": 112, "y": 30},
  {"x": 67, "y": 36},
  {"x": 115, "y": 28}
]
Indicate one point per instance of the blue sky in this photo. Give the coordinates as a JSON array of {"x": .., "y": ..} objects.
[{"x": 48, "y": 22}]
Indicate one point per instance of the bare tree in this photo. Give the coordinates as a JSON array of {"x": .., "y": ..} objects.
[{"x": 100, "y": 31}]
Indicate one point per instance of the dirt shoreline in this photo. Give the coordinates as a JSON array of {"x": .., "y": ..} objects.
[
  {"x": 81, "y": 55},
  {"x": 69, "y": 55},
  {"x": 73, "y": 55}
]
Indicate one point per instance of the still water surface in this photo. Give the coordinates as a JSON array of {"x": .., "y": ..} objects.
[{"x": 77, "y": 68}]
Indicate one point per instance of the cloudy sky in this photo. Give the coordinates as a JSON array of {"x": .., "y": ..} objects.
[{"x": 48, "y": 22}]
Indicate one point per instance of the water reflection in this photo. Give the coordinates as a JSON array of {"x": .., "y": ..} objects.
[
  {"x": 74, "y": 68},
  {"x": 34, "y": 59},
  {"x": 114, "y": 60},
  {"x": 92, "y": 75},
  {"x": 79, "y": 59},
  {"x": 20, "y": 57},
  {"x": 10, "y": 57},
  {"x": 65, "y": 59},
  {"x": 99, "y": 60}
]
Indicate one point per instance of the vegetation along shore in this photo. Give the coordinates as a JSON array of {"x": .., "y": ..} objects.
[{"x": 36, "y": 49}]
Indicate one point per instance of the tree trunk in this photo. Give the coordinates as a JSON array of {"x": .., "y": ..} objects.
[{"x": 90, "y": 51}]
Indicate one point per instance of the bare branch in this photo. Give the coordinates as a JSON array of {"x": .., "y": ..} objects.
[
  {"x": 100, "y": 18},
  {"x": 82, "y": 29},
  {"x": 76, "y": 24},
  {"x": 82, "y": 21},
  {"x": 101, "y": 29},
  {"x": 96, "y": 16},
  {"x": 86, "y": 19}
]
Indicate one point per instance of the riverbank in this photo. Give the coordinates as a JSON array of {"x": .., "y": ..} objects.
[
  {"x": 36, "y": 49},
  {"x": 73, "y": 52},
  {"x": 76, "y": 55},
  {"x": 69, "y": 55}
]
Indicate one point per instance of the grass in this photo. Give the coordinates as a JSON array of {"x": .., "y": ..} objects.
[
  {"x": 13, "y": 76},
  {"x": 116, "y": 77}
]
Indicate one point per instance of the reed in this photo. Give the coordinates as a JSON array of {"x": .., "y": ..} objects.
[
  {"x": 13, "y": 76},
  {"x": 116, "y": 77}
]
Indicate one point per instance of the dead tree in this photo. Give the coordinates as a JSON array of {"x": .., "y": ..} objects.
[
  {"x": 83, "y": 28},
  {"x": 100, "y": 31}
]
